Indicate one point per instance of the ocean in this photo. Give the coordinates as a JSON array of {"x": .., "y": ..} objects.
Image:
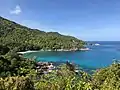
[{"x": 98, "y": 57}]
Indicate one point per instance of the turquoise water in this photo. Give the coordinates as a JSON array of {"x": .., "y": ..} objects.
[{"x": 98, "y": 57}]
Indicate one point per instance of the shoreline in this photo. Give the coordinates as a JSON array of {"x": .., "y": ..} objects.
[
  {"x": 59, "y": 50},
  {"x": 24, "y": 52}
]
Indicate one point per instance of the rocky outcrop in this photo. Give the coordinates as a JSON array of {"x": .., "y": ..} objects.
[{"x": 44, "y": 67}]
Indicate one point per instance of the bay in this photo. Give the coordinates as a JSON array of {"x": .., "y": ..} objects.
[{"x": 98, "y": 57}]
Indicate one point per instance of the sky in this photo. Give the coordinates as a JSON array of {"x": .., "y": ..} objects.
[{"x": 90, "y": 20}]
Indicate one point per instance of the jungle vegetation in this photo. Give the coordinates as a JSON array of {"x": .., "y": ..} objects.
[
  {"x": 21, "y": 38},
  {"x": 18, "y": 73}
]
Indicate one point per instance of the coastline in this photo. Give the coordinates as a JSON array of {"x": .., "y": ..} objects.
[
  {"x": 31, "y": 51},
  {"x": 26, "y": 52}
]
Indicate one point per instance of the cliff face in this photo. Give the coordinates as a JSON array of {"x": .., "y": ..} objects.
[{"x": 24, "y": 38}]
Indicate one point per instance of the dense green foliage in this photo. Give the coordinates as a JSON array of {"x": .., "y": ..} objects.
[
  {"x": 18, "y": 73},
  {"x": 23, "y": 38},
  {"x": 64, "y": 79},
  {"x": 16, "y": 83},
  {"x": 107, "y": 78},
  {"x": 11, "y": 63}
]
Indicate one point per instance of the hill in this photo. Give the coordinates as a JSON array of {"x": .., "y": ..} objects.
[{"x": 21, "y": 38}]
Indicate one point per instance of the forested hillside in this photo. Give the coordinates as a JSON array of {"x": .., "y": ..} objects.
[
  {"x": 18, "y": 73},
  {"x": 23, "y": 38}
]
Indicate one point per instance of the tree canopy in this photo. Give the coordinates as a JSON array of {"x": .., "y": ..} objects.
[
  {"x": 18, "y": 73},
  {"x": 24, "y": 38}
]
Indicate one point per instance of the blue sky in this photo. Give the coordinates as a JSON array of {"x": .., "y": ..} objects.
[{"x": 84, "y": 19}]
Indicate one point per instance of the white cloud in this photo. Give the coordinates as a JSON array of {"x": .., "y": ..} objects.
[{"x": 17, "y": 10}]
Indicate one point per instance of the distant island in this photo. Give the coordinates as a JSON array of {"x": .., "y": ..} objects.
[{"x": 21, "y": 38}]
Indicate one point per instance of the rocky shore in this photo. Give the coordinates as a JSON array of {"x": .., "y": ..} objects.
[
  {"x": 47, "y": 67},
  {"x": 44, "y": 67},
  {"x": 84, "y": 49}
]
